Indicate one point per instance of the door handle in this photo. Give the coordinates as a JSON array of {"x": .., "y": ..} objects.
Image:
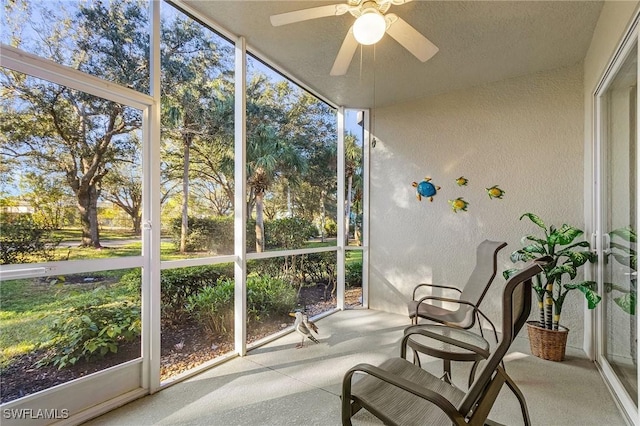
[
  {"x": 606, "y": 244},
  {"x": 631, "y": 274}
]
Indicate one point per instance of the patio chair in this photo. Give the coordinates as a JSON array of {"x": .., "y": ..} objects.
[
  {"x": 467, "y": 309},
  {"x": 399, "y": 392}
]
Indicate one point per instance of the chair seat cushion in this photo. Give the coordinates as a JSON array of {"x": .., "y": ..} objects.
[{"x": 397, "y": 406}]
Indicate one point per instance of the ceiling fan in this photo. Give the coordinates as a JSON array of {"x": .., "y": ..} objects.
[{"x": 372, "y": 22}]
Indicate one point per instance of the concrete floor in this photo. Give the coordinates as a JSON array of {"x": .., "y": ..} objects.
[{"x": 277, "y": 384}]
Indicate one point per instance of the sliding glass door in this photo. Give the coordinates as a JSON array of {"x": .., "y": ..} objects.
[{"x": 617, "y": 190}]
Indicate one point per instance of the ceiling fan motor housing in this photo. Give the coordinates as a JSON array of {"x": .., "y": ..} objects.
[{"x": 360, "y": 7}]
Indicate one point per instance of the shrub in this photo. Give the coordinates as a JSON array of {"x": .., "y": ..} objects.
[
  {"x": 177, "y": 285},
  {"x": 215, "y": 234},
  {"x": 92, "y": 330},
  {"x": 273, "y": 267},
  {"x": 319, "y": 267},
  {"x": 288, "y": 233},
  {"x": 353, "y": 274},
  {"x": 212, "y": 306},
  {"x": 24, "y": 241},
  {"x": 330, "y": 227},
  {"x": 268, "y": 296}
]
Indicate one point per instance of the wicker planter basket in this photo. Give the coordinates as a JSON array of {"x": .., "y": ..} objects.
[{"x": 547, "y": 344}]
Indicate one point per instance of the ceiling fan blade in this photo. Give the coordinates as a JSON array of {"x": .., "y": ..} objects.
[
  {"x": 345, "y": 55},
  {"x": 410, "y": 38},
  {"x": 306, "y": 14}
]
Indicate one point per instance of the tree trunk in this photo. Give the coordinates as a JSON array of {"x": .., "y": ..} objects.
[
  {"x": 88, "y": 207},
  {"x": 259, "y": 222},
  {"x": 323, "y": 214},
  {"x": 347, "y": 210},
  {"x": 184, "y": 229},
  {"x": 137, "y": 220}
]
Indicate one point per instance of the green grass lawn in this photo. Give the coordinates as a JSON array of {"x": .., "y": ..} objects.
[
  {"x": 353, "y": 256},
  {"x": 75, "y": 234}
]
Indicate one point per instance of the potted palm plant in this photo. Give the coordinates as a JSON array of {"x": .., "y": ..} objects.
[{"x": 547, "y": 336}]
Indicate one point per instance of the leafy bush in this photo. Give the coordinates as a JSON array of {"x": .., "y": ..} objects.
[
  {"x": 288, "y": 233},
  {"x": 177, "y": 285},
  {"x": 215, "y": 234},
  {"x": 319, "y": 267},
  {"x": 268, "y": 296},
  {"x": 212, "y": 306},
  {"x": 24, "y": 241},
  {"x": 353, "y": 274},
  {"x": 300, "y": 268},
  {"x": 274, "y": 267},
  {"x": 330, "y": 227},
  {"x": 92, "y": 330}
]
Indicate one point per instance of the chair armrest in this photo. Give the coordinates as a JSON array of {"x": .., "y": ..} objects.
[
  {"x": 446, "y": 299},
  {"x": 446, "y": 287},
  {"x": 419, "y": 391},
  {"x": 419, "y": 329},
  {"x": 461, "y": 302}
]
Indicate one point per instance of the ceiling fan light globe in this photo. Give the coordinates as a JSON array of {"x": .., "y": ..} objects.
[{"x": 369, "y": 28}]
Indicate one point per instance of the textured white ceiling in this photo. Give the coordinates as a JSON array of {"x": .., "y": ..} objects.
[{"x": 479, "y": 41}]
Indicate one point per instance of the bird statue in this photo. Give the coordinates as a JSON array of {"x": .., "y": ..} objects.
[
  {"x": 302, "y": 329},
  {"x": 310, "y": 324}
]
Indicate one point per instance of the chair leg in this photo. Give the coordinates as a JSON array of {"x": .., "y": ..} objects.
[
  {"x": 518, "y": 393},
  {"x": 416, "y": 358}
]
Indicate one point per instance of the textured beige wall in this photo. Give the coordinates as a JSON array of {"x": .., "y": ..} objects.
[{"x": 524, "y": 134}]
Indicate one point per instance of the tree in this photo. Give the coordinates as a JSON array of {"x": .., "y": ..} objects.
[
  {"x": 353, "y": 167},
  {"x": 48, "y": 197},
  {"x": 123, "y": 187},
  {"x": 57, "y": 129},
  {"x": 268, "y": 157},
  {"x": 190, "y": 61}
]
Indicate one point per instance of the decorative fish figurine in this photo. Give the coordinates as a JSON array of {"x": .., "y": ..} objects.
[
  {"x": 425, "y": 189},
  {"x": 495, "y": 192},
  {"x": 462, "y": 181},
  {"x": 458, "y": 204}
]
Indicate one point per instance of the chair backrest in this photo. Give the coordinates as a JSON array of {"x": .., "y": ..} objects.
[
  {"x": 516, "y": 306},
  {"x": 484, "y": 272},
  {"x": 480, "y": 279}
]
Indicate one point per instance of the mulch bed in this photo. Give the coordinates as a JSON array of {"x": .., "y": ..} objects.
[{"x": 182, "y": 349}]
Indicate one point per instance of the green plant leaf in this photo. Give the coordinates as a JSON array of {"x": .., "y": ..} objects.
[
  {"x": 621, "y": 247},
  {"x": 627, "y": 233},
  {"x": 578, "y": 244},
  {"x": 535, "y": 219},
  {"x": 535, "y": 239},
  {"x": 579, "y": 258},
  {"x": 522, "y": 255},
  {"x": 565, "y": 268},
  {"x": 509, "y": 272},
  {"x": 588, "y": 289},
  {"x": 566, "y": 234},
  {"x": 627, "y": 303},
  {"x": 534, "y": 248}
]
